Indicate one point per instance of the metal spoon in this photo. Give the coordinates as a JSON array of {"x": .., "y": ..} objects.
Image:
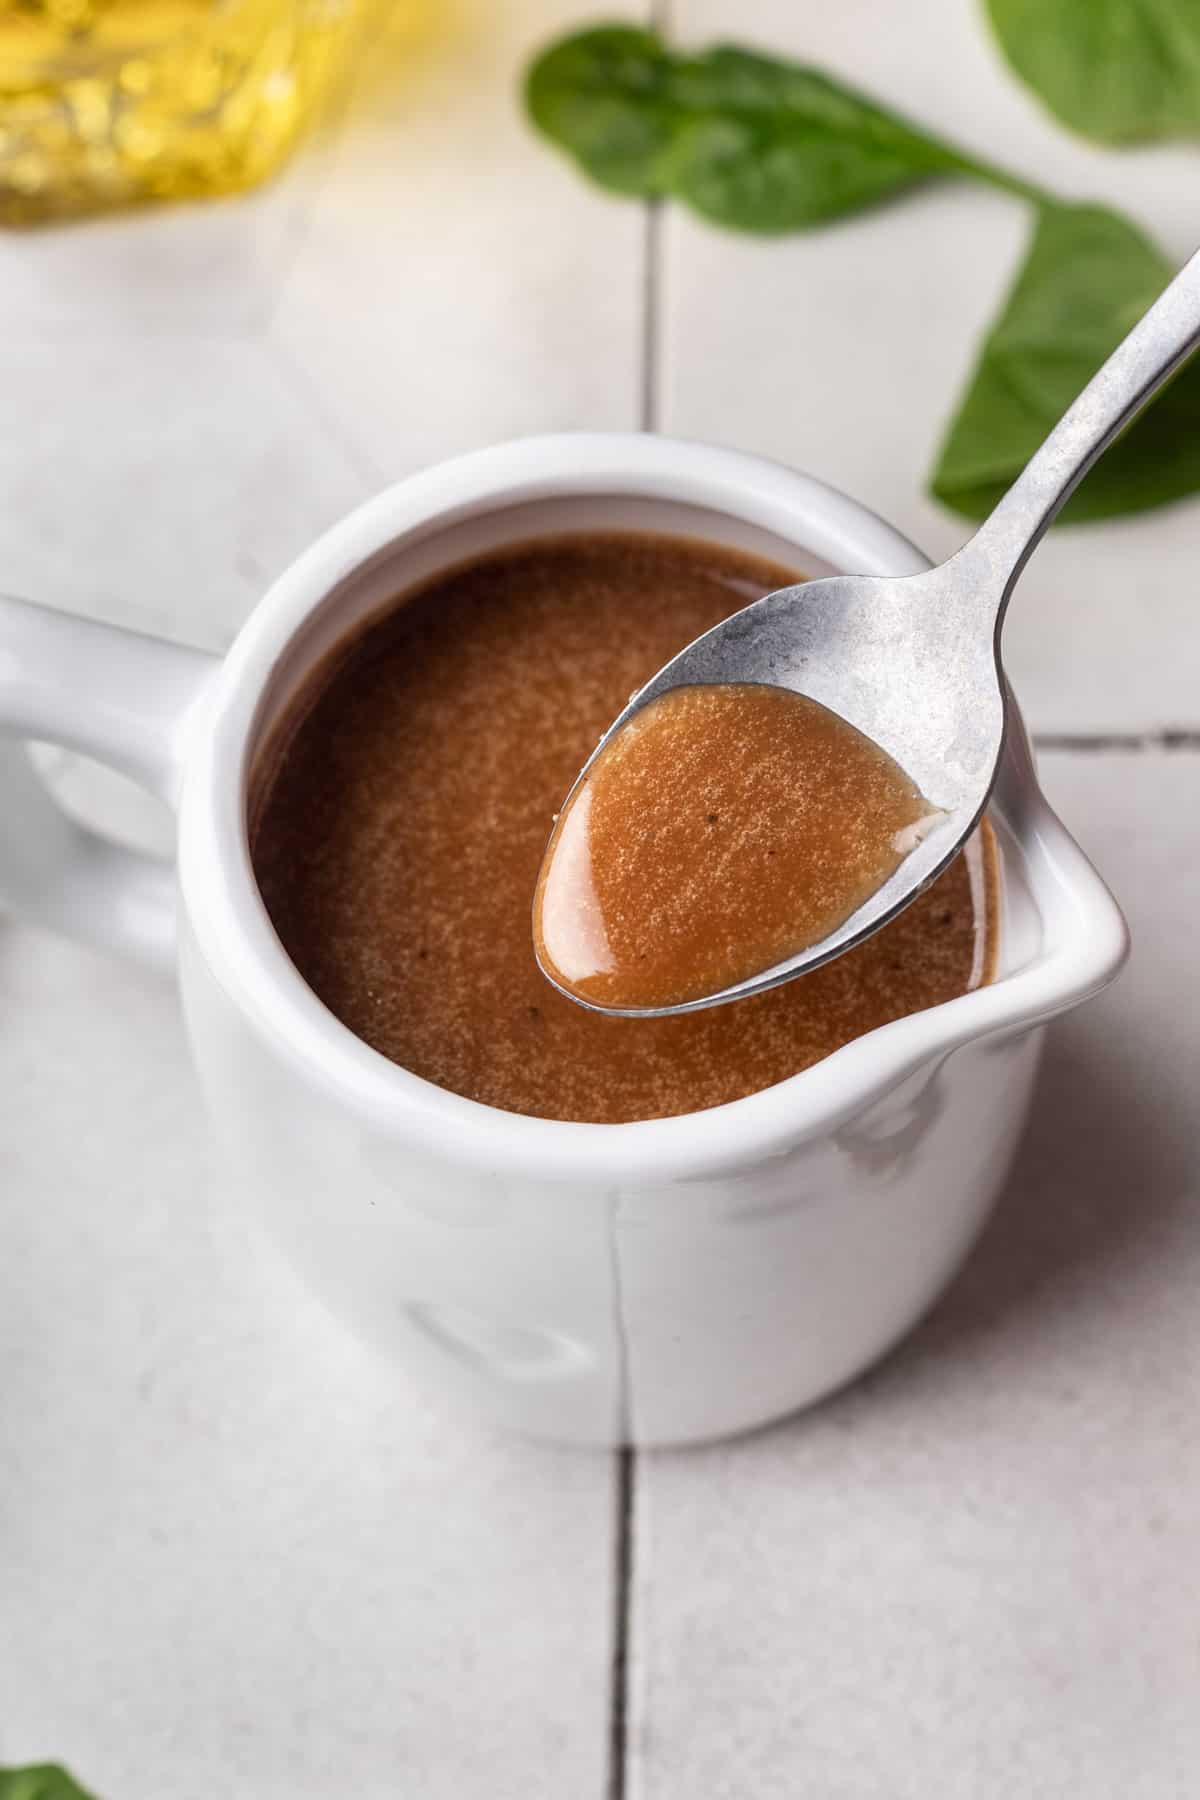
[{"x": 914, "y": 661}]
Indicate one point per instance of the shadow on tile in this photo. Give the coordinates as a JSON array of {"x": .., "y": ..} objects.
[
  {"x": 1102, "y": 1186},
  {"x": 1099, "y": 1190}
]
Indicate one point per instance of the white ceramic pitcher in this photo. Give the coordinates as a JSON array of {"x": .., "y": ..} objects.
[{"x": 654, "y": 1283}]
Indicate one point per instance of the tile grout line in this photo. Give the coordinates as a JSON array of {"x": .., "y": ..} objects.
[
  {"x": 618, "y": 1712},
  {"x": 658, "y": 18},
  {"x": 625, "y": 1463},
  {"x": 1136, "y": 743},
  {"x": 648, "y": 373}
]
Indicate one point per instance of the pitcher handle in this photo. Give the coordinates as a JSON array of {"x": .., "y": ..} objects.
[{"x": 119, "y": 696}]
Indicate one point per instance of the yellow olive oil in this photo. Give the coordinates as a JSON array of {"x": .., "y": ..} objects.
[{"x": 105, "y": 102}]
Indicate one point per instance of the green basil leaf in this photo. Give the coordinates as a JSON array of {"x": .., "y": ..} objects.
[
  {"x": 745, "y": 140},
  {"x": 603, "y": 95},
  {"x": 1117, "y": 70},
  {"x": 40, "y": 1781},
  {"x": 1088, "y": 276},
  {"x": 763, "y": 145}
]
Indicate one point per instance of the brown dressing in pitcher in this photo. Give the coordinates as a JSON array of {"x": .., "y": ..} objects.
[{"x": 399, "y": 816}]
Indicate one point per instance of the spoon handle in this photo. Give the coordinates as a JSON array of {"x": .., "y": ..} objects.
[{"x": 1161, "y": 340}]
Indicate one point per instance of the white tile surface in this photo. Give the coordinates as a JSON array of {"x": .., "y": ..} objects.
[
  {"x": 844, "y": 351},
  {"x": 202, "y": 269},
  {"x": 972, "y": 1573},
  {"x": 236, "y": 1555},
  {"x": 457, "y": 282},
  {"x": 161, "y": 483},
  {"x": 206, "y": 269}
]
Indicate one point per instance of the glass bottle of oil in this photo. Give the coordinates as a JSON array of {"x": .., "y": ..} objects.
[{"x": 103, "y": 102}]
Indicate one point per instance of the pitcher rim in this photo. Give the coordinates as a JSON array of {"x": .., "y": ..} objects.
[{"x": 1084, "y": 938}]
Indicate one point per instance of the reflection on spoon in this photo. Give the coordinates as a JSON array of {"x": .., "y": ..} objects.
[
  {"x": 569, "y": 914},
  {"x": 723, "y": 829}
]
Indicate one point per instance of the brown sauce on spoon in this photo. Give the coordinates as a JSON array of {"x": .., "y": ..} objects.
[{"x": 720, "y": 831}]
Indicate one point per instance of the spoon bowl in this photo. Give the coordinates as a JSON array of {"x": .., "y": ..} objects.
[
  {"x": 901, "y": 660},
  {"x": 913, "y": 662}
]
